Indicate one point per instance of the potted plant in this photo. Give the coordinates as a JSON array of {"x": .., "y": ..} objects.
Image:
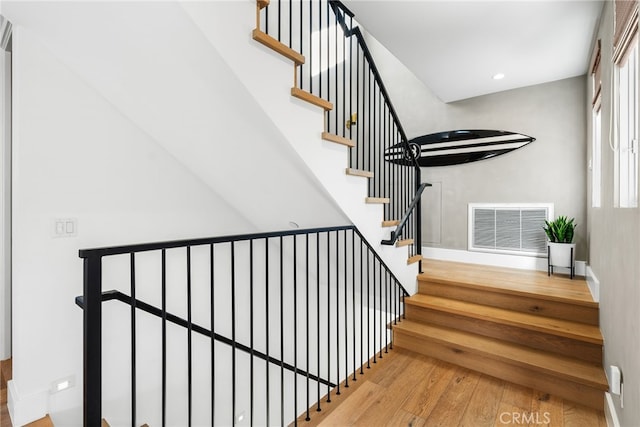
[{"x": 561, "y": 247}]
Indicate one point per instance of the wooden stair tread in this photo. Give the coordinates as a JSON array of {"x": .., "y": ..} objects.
[
  {"x": 340, "y": 140},
  {"x": 404, "y": 242},
  {"x": 390, "y": 223},
  {"x": 281, "y": 48},
  {"x": 311, "y": 98},
  {"x": 358, "y": 172},
  {"x": 564, "y": 328},
  {"x": 382, "y": 200},
  {"x": 553, "y": 364},
  {"x": 508, "y": 281},
  {"x": 414, "y": 259}
]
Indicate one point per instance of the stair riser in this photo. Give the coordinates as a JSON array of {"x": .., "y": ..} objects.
[
  {"x": 541, "y": 381},
  {"x": 522, "y": 303},
  {"x": 542, "y": 341}
]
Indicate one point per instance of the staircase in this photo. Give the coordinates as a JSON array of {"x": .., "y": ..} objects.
[{"x": 520, "y": 326}]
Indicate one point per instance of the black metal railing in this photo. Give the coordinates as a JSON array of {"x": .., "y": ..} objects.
[
  {"x": 266, "y": 326},
  {"x": 339, "y": 68}
]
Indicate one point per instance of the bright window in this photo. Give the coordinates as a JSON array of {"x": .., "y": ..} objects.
[{"x": 626, "y": 155}]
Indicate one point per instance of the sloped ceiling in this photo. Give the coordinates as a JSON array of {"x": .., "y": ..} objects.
[{"x": 456, "y": 47}]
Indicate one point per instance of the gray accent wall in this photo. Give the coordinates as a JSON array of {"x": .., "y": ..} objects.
[
  {"x": 613, "y": 243},
  {"x": 550, "y": 170}
]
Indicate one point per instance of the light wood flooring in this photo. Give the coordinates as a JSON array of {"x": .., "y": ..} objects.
[{"x": 409, "y": 389}]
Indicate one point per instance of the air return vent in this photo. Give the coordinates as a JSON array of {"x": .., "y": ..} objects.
[{"x": 509, "y": 228}]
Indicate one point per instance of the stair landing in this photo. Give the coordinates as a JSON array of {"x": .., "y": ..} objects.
[{"x": 509, "y": 280}]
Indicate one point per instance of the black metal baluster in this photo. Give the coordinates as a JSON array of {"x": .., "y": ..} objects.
[
  {"x": 233, "y": 331},
  {"x": 328, "y": 315},
  {"x": 361, "y": 304},
  {"x": 338, "y": 312},
  {"x": 386, "y": 311},
  {"x": 164, "y": 335},
  {"x": 279, "y": 20},
  {"x": 368, "y": 309},
  {"x": 346, "y": 316},
  {"x": 318, "y": 313},
  {"x": 353, "y": 298},
  {"x": 251, "y": 309},
  {"x": 310, "y": 46},
  {"x": 290, "y": 23},
  {"x": 266, "y": 323},
  {"x": 133, "y": 338},
  {"x": 375, "y": 322},
  {"x": 307, "y": 319},
  {"x": 344, "y": 84},
  {"x": 281, "y": 332},
  {"x": 295, "y": 330},
  {"x": 189, "y": 340},
  {"x": 213, "y": 331},
  {"x": 337, "y": 104},
  {"x": 301, "y": 50}
]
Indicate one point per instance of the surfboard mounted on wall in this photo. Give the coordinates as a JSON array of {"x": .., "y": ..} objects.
[{"x": 456, "y": 147}]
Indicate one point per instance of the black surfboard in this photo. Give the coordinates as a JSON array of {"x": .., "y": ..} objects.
[{"x": 456, "y": 147}]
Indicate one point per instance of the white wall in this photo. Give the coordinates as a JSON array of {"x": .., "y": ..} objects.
[
  {"x": 614, "y": 251},
  {"x": 75, "y": 155},
  {"x": 5, "y": 204},
  {"x": 552, "y": 169}
]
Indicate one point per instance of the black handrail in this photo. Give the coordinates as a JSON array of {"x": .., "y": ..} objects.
[
  {"x": 338, "y": 7},
  {"x": 385, "y": 294},
  {"x": 115, "y": 295},
  {"x": 398, "y": 231}
]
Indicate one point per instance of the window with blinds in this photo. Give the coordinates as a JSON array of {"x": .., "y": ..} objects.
[{"x": 509, "y": 228}]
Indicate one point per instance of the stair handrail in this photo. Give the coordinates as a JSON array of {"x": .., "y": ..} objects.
[
  {"x": 115, "y": 295},
  {"x": 338, "y": 7},
  {"x": 403, "y": 222}
]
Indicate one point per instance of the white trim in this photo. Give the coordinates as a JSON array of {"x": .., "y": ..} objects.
[
  {"x": 497, "y": 260},
  {"x": 593, "y": 283},
  {"x": 26, "y": 409},
  {"x": 5, "y": 205},
  {"x": 610, "y": 413}
]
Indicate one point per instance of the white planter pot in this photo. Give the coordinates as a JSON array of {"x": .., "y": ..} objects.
[{"x": 560, "y": 254}]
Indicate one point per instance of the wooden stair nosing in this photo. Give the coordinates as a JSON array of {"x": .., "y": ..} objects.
[
  {"x": 566, "y": 389},
  {"x": 343, "y": 141},
  {"x": 404, "y": 242},
  {"x": 390, "y": 223},
  {"x": 559, "y": 366},
  {"x": 560, "y": 327},
  {"x": 414, "y": 259},
  {"x": 311, "y": 98},
  {"x": 358, "y": 172},
  {"x": 281, "y": 48},
  {"x": 377, "y": 200},
  {"x": 515, "y": 301}
]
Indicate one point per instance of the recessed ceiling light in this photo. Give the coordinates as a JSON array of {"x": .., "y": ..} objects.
[{"x": 498, "y": 76}]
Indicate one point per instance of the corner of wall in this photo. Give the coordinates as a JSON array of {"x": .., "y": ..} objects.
[{"x": 26, "y": 408}]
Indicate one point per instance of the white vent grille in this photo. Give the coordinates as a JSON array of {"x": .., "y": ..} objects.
[{"x": 509, "y": 228}]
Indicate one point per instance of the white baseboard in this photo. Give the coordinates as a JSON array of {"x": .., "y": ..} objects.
[
  {"x": 593, "y": 283},
  {"x": 24, "y": 409},
  {"x": 610, "y": 413},
  {"x": 496, "y": 260}
]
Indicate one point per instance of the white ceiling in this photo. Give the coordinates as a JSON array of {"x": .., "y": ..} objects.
[{"x": 455, "y": 47}]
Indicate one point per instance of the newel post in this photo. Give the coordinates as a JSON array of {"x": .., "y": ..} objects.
[{"x": 92, "y": 341}]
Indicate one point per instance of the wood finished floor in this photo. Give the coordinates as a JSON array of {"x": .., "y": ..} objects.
[{"x": 408, "y": 389}]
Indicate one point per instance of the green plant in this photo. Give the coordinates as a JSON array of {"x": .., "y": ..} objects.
[{"x": 560, "y": 230}]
